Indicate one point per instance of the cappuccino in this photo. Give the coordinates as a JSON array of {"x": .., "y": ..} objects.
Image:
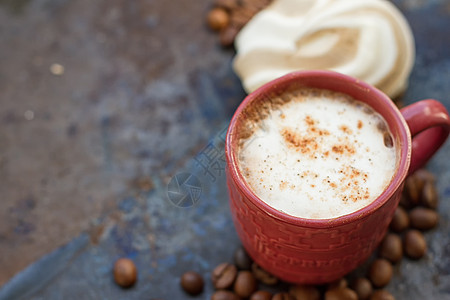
[{"x": 315, "y": 153}]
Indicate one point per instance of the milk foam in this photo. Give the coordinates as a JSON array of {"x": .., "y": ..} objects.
[{"x": 320, "y": 155}]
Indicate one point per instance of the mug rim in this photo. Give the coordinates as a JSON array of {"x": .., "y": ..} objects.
[{"x": 397, "y": 180}]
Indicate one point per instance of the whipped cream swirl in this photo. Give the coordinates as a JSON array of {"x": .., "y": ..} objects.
[{"x": 369, "y": 40}]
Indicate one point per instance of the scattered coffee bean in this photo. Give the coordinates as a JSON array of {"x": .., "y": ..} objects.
[
  {"x": 241, "y": 259},
  {"x": 414, "y": 244},
  {"x": 218, "y": 19},
  {"x": 430, "y": 196},
  {"x": 256, "y": 5},
  {"x": 423, "y": 218},
  {"x": 223, "y": 276},
  {"x": 391, "y": 247},
  {"x": 420, "y": 188},
  {"x": 240, "y": 17},
  {"x": 283, "y": 296},
  {"x": 228, "y": 35},
  {"x": 229, "y": 16},
  {"x": 229, "y": 5},
  {"x": 362, "y": 287},
  {"x": 341, "y": 294},
  {"x": 304, "y": 292},
  {"x": 245, "y": 284},
  {"x": 263, "y": 276},
  {"x": 380, "y": 272},
  {"x": 382, "y": 295},
  {"x": 125, "y": 272},
  {"x": 261, "y": 295},
  {"x": 340, "y": 283},
  {"x": 400, "y": 220},
  {"x": 413, "y": 189},
  {"x": 425, "y": 176},
  {"x": 192, "y": 283},
  {"x": 404, "y": 202},
  {"x": 224, "y": 295}
]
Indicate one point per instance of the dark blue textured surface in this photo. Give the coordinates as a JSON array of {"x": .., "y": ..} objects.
[{"x": 165, "y": 240}]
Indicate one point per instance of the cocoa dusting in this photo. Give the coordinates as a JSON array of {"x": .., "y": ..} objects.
[
  {"x": 283, "y": 185},
  {"x": 345, "y": 129},
  {"x": 350, "y": 183},
  {"x": 253, "y": 116},
  {"x": 343, "y": 149},
  {"x": 360, "y": 124},
  {"x": 305, "y": 144}
]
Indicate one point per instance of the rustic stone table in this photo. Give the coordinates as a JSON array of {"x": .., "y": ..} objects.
[{"x": 103, "y": 105}]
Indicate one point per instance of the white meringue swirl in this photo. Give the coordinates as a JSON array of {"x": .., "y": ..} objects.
[{"x": 369, "y": 40}]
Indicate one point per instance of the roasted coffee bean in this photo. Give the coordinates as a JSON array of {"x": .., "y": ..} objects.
[
  {"x": 404, "y": 202},
  {"x": 362, "y": 287},
  {"x": 340, "y": 283},
  {"x": 414, "y": 244},
  {"x": 382, "y": 295},
  {"x": 125, "y": 272},
  {"x": 257, "y": 4},
  {"x": 380, "y": 272},
  {"x": 413, "y": 188},
  {"x": 240, "y": 17},
  {"x": 224, "y": 295},
  {"x": 245, "y": 284},
  {"x": 430, "y": 197},
  {"x": 192, "y": 283},
  {"x": 425, "y": 175},
  {"x": 237, "y": 14},
  {"x": 218, "y": 19},
  {"x": 282, "y": 296},
  {"x": 224, "y": 275},
  {"x": 341, "y": 294},
  {"x": 400, "y": 220},
  {"x": 227, "y": 4},
  {"x": 241, "y": 259},
  {"x": 261, "y": 295},
  {"x": 304, "y": 292},
  {"x": 228, "y": 35},
  {"x": 391, "y": 247},
  {"x": 423, "y": 218},
  {"x": 263, "y": 276}
]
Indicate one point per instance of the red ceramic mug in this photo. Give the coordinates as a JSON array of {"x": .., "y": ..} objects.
[{"x": 314, "y": 251}]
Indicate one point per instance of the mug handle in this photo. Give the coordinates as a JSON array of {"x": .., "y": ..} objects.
[{"x": 429, "y": 123}]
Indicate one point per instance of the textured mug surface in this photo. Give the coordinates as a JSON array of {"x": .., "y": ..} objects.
[{"x": 314, "y": 251}]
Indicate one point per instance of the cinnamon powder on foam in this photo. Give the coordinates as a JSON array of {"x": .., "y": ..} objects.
[{"x": 315, "y": 153}]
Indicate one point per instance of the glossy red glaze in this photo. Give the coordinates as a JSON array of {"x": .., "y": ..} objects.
[
  {"x": 428, "y": 121},
  {"x": 316, "y": 251}
]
